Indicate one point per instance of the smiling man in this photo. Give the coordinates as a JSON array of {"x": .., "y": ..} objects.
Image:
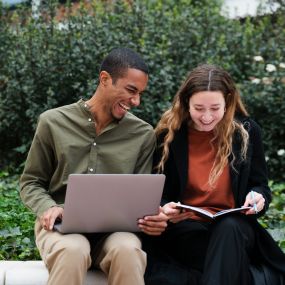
[
  {"x": 94, "y": 136},
  {"x": 116, "y": 96}
]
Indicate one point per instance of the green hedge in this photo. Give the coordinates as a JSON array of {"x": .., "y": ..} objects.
[
  {"x": 16, "y": 222},
  {"x": 44, "y": 63}
]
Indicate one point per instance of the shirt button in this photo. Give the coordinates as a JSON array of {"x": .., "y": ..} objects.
[
  {"x": 91, "y": 169},
  {"x": 89, "y": 120},
  {"x": 94, "y": 144}
]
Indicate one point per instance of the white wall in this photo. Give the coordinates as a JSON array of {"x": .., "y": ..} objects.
[{"x": 242, "y": 8}]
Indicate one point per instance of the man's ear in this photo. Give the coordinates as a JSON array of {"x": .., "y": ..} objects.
[{"x": 105, "y": 78}]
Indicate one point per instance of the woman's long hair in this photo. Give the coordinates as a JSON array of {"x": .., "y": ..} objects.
[{"x": 206, "y": 78}]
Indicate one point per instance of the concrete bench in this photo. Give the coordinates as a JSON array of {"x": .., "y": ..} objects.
[{"x": 35, "y": 273}]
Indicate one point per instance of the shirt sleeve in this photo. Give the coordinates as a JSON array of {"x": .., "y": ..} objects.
[
  {"x": 144, "y": 161},
  {"x": 38, "y": 170}
]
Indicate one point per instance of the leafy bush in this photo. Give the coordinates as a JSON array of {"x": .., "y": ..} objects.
[
  {"x": 274, "y": 220},
  {"x": 16, "y": 223},
  {"x": 264, "y": 90},
  {"x": 46, "y": 63}
]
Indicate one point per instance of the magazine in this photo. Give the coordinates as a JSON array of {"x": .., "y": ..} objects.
[{"x": 209, "y": 214}]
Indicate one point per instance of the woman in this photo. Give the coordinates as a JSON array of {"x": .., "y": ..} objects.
[{"x": 211, "y": 153}]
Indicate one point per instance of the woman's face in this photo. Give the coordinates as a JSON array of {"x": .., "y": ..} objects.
[{"x": 206, "y": 109}]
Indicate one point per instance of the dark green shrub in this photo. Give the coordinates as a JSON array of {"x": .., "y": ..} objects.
[
  {"x": 16, "y": 223},
  {"x": 264, "y": 89},
  {"x": 45, "y": 64},
  {"x": 274, "y": 220},
  {"x": 265, "y": 101}
]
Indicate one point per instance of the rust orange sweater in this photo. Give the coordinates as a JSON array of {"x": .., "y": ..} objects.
[{"x": 198, "y": 193}]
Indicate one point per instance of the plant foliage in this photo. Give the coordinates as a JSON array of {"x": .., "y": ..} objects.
[
  {"x": 16, "y": 223},
  {"x": 54, "y": 60},
  {"x": 274, "y": 220}
]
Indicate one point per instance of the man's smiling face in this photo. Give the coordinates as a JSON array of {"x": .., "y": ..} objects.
[{"x": 125, "y": 93}]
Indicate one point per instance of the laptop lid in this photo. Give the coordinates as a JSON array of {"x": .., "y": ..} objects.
[{"x": 109, "y": 202}]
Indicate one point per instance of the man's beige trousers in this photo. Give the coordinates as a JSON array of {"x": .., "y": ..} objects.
[{"x": 67, "y": 257}]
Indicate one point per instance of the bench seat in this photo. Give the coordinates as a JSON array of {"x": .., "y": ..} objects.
[{"x": 35, "y": 273}]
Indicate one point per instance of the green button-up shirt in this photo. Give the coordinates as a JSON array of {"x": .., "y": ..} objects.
[{"x": 66, "y": 142}]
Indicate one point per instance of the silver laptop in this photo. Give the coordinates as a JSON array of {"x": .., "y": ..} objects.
[{"x": 109, "y": 202}]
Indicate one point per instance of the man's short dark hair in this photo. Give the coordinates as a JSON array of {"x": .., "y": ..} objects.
[{"x": 119, "y": 60}]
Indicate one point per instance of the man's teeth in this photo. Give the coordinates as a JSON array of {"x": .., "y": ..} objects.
[{"x": 124, "y": 106}]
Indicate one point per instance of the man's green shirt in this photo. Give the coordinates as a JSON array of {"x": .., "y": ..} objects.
[{"x": 66, "y": 142}]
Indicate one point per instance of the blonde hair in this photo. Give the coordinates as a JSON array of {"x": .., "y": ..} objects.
[{"x": 206, "y": 78}]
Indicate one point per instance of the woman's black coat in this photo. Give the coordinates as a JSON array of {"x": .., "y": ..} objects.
[{"x": 245, "y": 176}]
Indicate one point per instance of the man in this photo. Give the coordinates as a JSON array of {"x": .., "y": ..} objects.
[{"x": 96, "y": 136}]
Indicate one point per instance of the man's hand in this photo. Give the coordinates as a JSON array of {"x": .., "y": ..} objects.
[
  {"x": 48, "y": 218},
  {"x": 154, "y": 225}
]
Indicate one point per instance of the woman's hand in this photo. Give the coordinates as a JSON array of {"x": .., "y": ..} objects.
[
  {"x": 175, "y": 214},
  {"x": 256, "y": 201},
  {"x": 170, "y": 209}
]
